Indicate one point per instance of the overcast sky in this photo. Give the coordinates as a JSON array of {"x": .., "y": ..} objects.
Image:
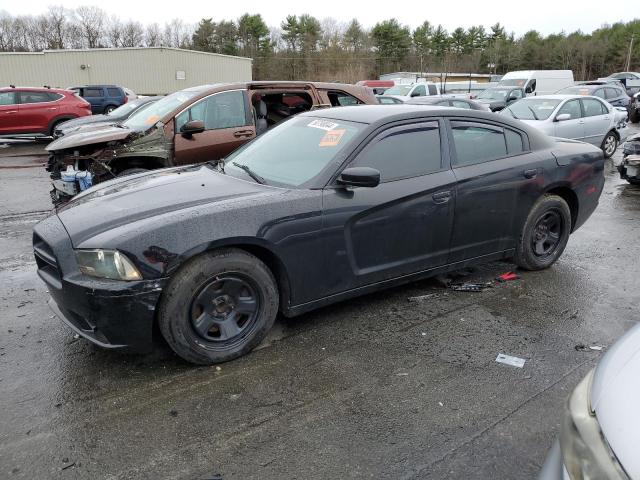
[{"x": 546, "y": 16}]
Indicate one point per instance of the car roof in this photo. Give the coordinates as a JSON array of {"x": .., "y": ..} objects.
[
  {"x": 557, "y": 96},
  {"x": 35, "y": 89}
]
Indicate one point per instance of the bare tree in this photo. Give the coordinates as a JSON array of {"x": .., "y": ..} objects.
[
  {"x": 177, "y": 34},
  {"x": 91, "y": 24},
  {"x": 115, "y": 32},
  {"x": 132, "y": 34},
  {"x": 153, "y": 37},
  {"x": 56, "y": 23}
]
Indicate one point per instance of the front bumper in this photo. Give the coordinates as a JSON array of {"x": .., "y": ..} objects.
[{"x": 110, "y": 313}]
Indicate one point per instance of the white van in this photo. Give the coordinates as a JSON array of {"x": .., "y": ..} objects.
[{"x": 538, "y": 82}]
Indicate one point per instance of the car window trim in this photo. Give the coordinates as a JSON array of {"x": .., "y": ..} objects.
[
  {"x": 597, "y": 99},
  {"x": 445, "y": 159},
  {"x": 245, "y": 96},
  {"x": 526, "y": 145}
]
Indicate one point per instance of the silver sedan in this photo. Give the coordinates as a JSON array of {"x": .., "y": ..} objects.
[{"x": 578, "y": 117}]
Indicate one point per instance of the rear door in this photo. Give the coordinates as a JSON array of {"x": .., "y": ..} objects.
[
  {"x": 9, "y": 113},
  {"x": 95, "y": 96},
  {"x": 36, "y": 111},
  {"x": 597, "y": 120},
  {"x": 228, "y": 123},
  {"x": 401, "y": 226},
  {"x": 498, "y": 179},
  {"x": 574, "y": 127}
]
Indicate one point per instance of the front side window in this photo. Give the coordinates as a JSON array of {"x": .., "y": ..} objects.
[
  {"x": 222, "y": 110},
  {"x": 593, "y": 107},
  {"x": 599, "y": 93},
  {"x": 398, "y": 90},
  {"x": 34, "y": 97},
  {"x": 613, "y": 93},
  {"x": 477, "y": 143},
  {"x": 419, "y": 91},
  {"x": 403, "y": 152},
  {"x": 460, "y": 104},
  {"x": 342, "y": 99},
  {"x": 8, "y": 98},
  {"x": 572, "y": 107}
]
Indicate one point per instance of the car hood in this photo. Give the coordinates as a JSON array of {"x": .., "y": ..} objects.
[
  {"x": 101, "y": 135},
  {"x": 136, "y": 197},
  {"x": 88, "y": 127},
  {"x": 615, "y": 398}
]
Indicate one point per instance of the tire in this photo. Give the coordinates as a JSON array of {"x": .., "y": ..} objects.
[
  {"x": 538, "y": 248},
  {"x": 55, "y": 124},
  {"x": 634, "y": 116},
  {"x": 199, "y": 314},
  {"x": 609, "y": 144},
  {"x": 131, "y": 171},
  {"x": 108, "y": 109}
]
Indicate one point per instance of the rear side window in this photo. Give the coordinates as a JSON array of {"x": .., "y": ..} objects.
[
  {"x": 54, "y": 96},
  {"x": 403, "y": 152},
  {"x": 342, "y": 99},
  {"x": 514, "y": 142},
  {"x": 477, "y": 143},
  {"x": 432, "y": 89},
  {"x": 34, "y": 97},
  {"x": 8, "y": 98},
  {"x": 593, "y": 107},
  {"x": 91, "y": 92},
  {"x": 114, "y": 92}
]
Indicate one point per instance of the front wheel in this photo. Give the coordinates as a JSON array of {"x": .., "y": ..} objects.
[
  {"x": 545, "y": 234},
  {"x": 219, "y": 306},
  {"x": 609, "y": 144}
]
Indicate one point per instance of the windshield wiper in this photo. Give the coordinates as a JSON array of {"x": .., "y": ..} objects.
[
  {"x": 250, "y": 172},
  {"x": 513, "y": 115},
  {"x": 533, "y": 112}
]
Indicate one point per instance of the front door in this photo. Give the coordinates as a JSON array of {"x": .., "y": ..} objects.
[
  {"x": 597, "y": 120},
  {"x": 228, "y": 123},
  {"x": 401, "y": 226},
  {"x": 497, "y": 180},
  {"x": 9, "y": 113},
  {"x": 572, "y": 128}
]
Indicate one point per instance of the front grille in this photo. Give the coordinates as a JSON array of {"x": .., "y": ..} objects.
[{"x": 46, "y": 261}]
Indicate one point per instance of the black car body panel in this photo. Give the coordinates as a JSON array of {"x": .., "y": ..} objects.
[{"x": 324, "y": 242}]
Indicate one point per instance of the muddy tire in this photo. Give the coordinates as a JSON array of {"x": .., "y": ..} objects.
[
  {"x": 545, "y": 234},
  {"x": 609, "y": 144},
  {"x": 219, "y": 306},
  {"x": 131, "y": 171}
]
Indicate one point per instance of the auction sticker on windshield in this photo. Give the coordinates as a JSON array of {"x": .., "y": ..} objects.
[
  {"x": 331, "y": 138},
  {"x": 322, "y": 124}
]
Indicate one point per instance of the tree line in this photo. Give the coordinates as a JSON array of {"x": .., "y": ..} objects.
[{"x": 305, "y": 47}]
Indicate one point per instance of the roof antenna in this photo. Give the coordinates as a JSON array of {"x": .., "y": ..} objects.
[{"x": 12, "y": 86}]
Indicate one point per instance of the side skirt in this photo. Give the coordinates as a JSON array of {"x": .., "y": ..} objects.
[{"x": 292, "y": 311}]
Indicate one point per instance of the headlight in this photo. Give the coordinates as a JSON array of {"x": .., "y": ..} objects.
[
  {"x": 107, "y": 264},
  {"x": 585, "y": 452}
]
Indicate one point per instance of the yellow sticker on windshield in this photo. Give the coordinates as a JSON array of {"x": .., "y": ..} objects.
[
  {"x": 152, "y": 119},
  {"x": 331, "y": 138}
]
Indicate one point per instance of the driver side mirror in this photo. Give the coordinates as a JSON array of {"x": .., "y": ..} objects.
[
  {"x": 563, "y": 116},
  {"x": 359, "y": 177},
  {"x": 415, "y": 93},
  {"x": 528, "y": 89},
  {"x": 191, "y": 128}
]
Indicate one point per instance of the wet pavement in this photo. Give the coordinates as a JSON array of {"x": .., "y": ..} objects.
[{"x": 377, "y": 387}]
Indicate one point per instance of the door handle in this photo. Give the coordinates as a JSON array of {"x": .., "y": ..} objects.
[
  {"x": 581, "y": 122},
  {"x": 243, "y": 133},
  {"x": 441, "y": 197},
  {"x": 532, "y": 173},
  {"x": 11, "y": 111}
]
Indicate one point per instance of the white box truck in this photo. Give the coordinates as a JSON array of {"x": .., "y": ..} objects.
[{"x": 538, "y": 82}]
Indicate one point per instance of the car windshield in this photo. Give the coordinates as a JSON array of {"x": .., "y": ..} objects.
[
  {"x": 513, "y": 82},
  {"x": 294, "y": 152},
  {"x": 493, "y": 94},
  {"x": 532, "y": 108},
  {"x": 149, "y": 116},
  {"x": 125, "y": 108},
  {"x": 398, "y": 90}
]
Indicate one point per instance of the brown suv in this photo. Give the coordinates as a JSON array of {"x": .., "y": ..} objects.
[{"x": 194, "y": 125}]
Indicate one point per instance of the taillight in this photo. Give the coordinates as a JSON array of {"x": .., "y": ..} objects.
[{"x": 126, "y": 99}]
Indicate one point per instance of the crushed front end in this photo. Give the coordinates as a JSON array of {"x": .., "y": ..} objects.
[{"x": 629, "y": 168}]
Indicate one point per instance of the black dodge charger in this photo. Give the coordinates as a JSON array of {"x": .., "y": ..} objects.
[{"x": 324, "y": 207}]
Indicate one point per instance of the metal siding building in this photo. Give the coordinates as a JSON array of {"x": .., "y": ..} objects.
[{"x": 150, "y": 70}]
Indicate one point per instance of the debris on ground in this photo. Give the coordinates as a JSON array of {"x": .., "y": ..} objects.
[
  {"x": 68, "y": 465},
  {"x": 421, "y": 298},
  {"x": 509, "y": 360},
  {"x": 507, "y": 277},
  {"x": 471, "y": 287},
  {"x": 173, "y": 413},
  {"x": 583, "y": 348}
]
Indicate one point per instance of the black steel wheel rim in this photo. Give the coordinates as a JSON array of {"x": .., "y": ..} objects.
[
  {"x": 547, "y": 233},
  {"x": 225, "y": 309}
]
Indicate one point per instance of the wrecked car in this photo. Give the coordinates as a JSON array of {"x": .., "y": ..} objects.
[
  {"x": 629, "y": 168},
  {"x": 194, "y": 125},
  {"x": 324, "y": 207}
]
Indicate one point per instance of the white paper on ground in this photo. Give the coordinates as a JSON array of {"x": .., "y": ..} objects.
[{"x": 509, "y": 360}]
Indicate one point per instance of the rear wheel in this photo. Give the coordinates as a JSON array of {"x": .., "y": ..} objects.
[
  {"x": 52, "y": 129},
  {"x": 545, "y": 233},
  {"x": 609, "y": 144},
  {"x": 108, "y": 109},
  {"x": 218, "y": 307}
]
